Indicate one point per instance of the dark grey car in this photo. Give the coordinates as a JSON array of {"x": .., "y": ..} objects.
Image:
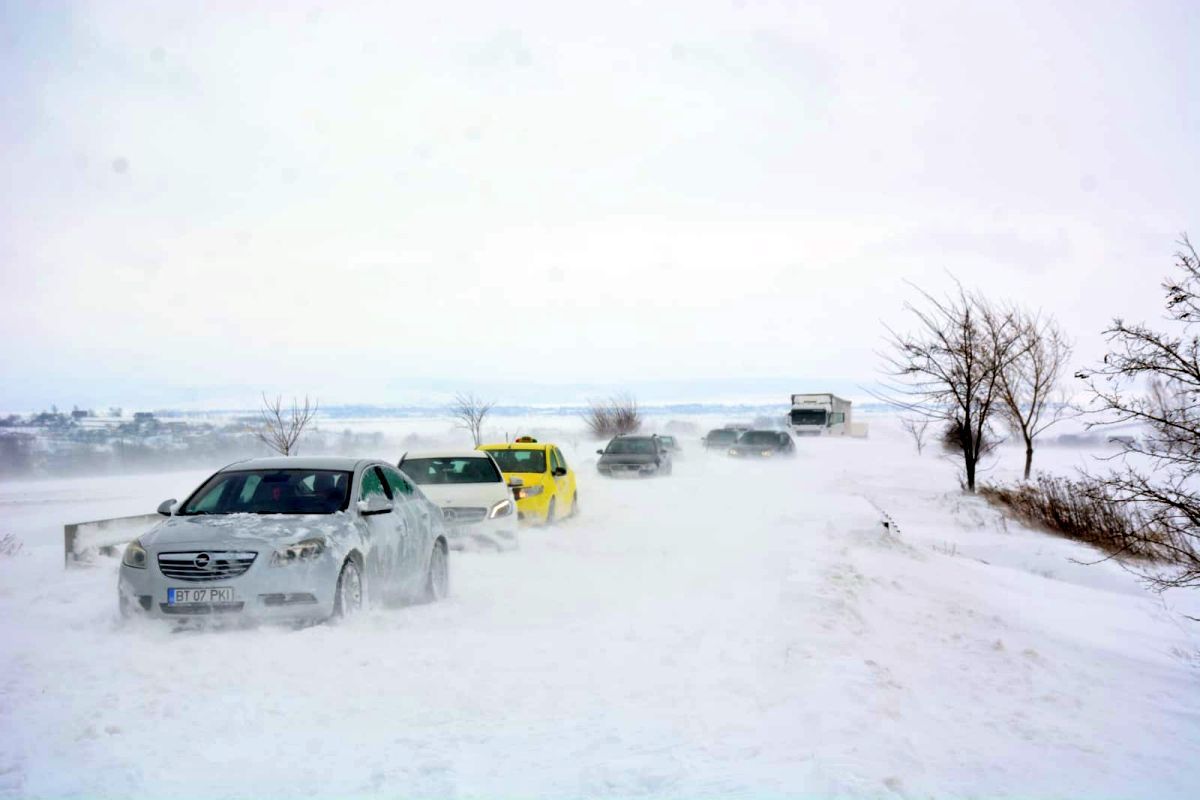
[
  {"x": 763, "y": 444},
  {"x": 640, "y": 456}
]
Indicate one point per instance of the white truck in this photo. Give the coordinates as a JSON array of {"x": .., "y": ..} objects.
[{"x": 820, "y": 415}]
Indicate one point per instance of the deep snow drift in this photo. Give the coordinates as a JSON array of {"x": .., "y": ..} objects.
[{"x": 742, "y": 629}]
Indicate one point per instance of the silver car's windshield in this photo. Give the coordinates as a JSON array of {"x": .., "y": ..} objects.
[{"x": 277, "y": 491}]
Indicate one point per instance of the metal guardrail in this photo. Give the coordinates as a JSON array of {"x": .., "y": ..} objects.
[{"x": 80, "y": 539}]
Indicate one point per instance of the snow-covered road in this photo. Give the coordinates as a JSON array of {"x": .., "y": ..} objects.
[{"x": 742, "y": 629}]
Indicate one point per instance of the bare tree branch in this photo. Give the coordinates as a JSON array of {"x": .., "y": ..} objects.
[
  {"x": 1027, "y": 386},
  {"x": 949, "y": 368},
  {"x": 280, "y": 429},
  {"x": 916, "y": 428},
  {"x": 1152, "y": 379},
  {"x": 470, "y": 411}
]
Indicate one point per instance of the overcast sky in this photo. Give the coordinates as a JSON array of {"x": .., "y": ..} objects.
[{"x": 202, "y": 201}]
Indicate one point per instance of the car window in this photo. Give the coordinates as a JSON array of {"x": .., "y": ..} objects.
[
  {"x": 422, "y": 471},
  {"x": 284, "y": 491},
  {"x": 528, "y": 461},
  {"x": 372, "y": 483},
  {"x": 562, "y": 461},
  {"x": 400, "y": 487}
]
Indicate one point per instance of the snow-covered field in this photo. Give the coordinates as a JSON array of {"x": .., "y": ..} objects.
[{"x": 738, "y": 629}]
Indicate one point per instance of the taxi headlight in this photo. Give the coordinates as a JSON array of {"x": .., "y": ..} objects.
[
  {"x": 305, "y": 550},
  {"x": 502, "y": 509},
  {"x": 135, "y": 555}
]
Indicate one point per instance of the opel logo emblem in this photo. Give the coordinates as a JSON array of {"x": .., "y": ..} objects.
[{"x": 202, "y": 561}]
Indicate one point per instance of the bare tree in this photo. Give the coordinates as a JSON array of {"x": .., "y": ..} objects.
[
  {"x": 916, "y": 426},
  {"x": 470, "y": 411},
  {"x": 615, "y": 416},
  {"x": 950, "y": 367},
  {"x": 1027, "y": 386},
  {"x": 280, "y": 428},
  {"x": 1160, "y": 470}
]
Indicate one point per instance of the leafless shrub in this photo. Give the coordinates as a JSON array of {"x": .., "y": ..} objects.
[
  {"x": 1162, "y": 481},
  {"x": 279, "y": 428},
  {"x": 954, "y": 434},
  {"x": 1028, "y": 385},
  {"x": 949, "y": 368},
  {"x": 916, "y": 428},
  {"x": 615, "y": 416},
  {"x": 10, "y": 545},
  {"x": 469, "y": 412},
  {"x": 1087, "y": 511}
]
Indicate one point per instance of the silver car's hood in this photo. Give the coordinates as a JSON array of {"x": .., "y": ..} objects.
[{"x": 245, "y": 529}]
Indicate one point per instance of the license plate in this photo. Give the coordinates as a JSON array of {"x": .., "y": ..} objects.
[{"x": 208, "y": 594}]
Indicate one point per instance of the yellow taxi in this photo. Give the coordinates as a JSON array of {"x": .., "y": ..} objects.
[{"x": 547, "y": 491}]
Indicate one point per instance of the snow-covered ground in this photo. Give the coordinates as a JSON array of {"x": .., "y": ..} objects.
[{"x": 744, "y": 629}]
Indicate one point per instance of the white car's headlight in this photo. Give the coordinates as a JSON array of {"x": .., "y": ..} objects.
[
  {"x": 306, "y": 550},
  {"x": 502, "y": 509},
  {"x": 135, "y": 555}
]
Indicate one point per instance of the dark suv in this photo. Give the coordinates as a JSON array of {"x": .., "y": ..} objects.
[{"x": 635, "y": 456}]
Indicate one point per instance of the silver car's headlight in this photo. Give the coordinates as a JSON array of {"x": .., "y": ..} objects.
[
  {"x": 135, "y": 555},
  {"x": 306, "y": 550},
  {"x": 502, "y": 509}
]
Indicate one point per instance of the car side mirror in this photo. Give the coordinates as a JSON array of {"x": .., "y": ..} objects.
[
  {"x": 560, "y": 471},
  {"x": 375, "y": 504},
  {"x": 516, "y": 483},
  {"x": 167, "y": 507},
  {"x": 599, "y": 452}
]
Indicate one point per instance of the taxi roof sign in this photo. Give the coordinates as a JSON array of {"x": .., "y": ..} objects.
[{"x": 525, "y": 440}]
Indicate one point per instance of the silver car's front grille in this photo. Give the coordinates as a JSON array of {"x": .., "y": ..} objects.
[
  {"x": 464, "y": 516},
  {"x": 205, "y": 565}
]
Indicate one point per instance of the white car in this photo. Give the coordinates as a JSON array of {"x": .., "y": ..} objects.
[
  {"x": 286, "y": 539},
  {"x": 477, "y": 504}
]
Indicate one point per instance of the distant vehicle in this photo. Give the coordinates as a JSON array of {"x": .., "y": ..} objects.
[
  {"x": 671, "y": 444},
  {"x": 287, "y": 539},
  {"x": 819, "y": 415},
  {"x": 763, "y": 444},
  {"x": 635, "y": 456},
  {"x": 548, "y": 491},
  {"x": 737, "y": 427},
  {"x": 476, "y": 502},
  {"x": 720, "y": 438}
]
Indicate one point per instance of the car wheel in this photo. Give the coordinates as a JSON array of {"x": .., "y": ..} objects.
[
  {"x": 550, "y": 511},
  {"x": 437, "y": 582},
  {"x": 348, "y": 597}
]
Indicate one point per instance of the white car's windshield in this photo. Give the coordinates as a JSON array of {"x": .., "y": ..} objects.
[
  {"x": 281, "y": 491},
  {"x": 426, "y": 471}
]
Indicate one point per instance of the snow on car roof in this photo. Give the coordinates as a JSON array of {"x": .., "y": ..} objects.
[
  {"x": 342, "y": 463},
  {"x": 446, "y": 454}
]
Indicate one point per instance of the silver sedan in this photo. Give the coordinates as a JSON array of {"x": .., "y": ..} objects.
[{"x": 288, "y": 538}]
